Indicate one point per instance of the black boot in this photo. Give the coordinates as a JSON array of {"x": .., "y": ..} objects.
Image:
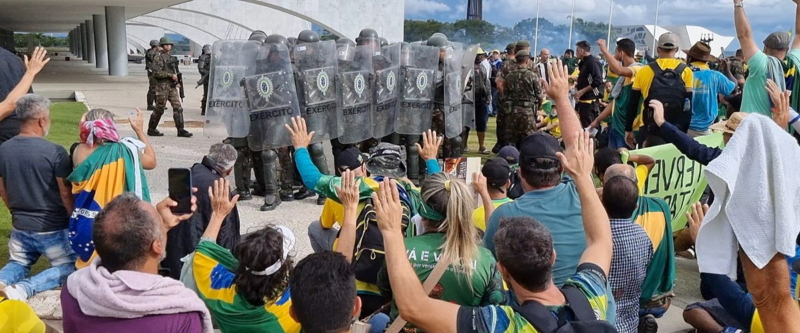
[
  {"x": 178, "y": 117},
  {"x": 321, "y": 200},
  {"x": 270, "y": 203},
  {"x": 155, "y": 118},
  {"x": 244, "y": 195},
  {"x": 151, "y": 99},
  {"x": 303, "y": 193}
]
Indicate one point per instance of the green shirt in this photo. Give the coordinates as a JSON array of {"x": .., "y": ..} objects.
[
  {"x": 486, "y": 287},
  {"x": 654, "y": 216},
  {"x": 619, "y": 115},
  {"x": 755, "y": 98}
]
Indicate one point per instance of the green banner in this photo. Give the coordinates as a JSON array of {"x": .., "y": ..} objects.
[{"x": 677, "y": 179}]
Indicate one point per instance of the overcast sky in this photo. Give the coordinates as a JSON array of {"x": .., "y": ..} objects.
[{"x": 716, "y": 15}]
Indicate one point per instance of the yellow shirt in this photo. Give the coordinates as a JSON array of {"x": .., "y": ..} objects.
[
  {"x": 18, "y": 317},
  {"x": 555, "y": 131},
  {"x": 645, "y": 76},
  {"x": 478, "y": 215},
  {"x": 641, "y": 176},
  {"x": 332, "y": 214}
]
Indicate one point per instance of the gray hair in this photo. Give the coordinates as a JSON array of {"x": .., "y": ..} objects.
[
  {"x": 97, "y": 114},
  {"x": 223, "y": 155},
  {"x": 32, "y": 106},
  {"x": 621, "y": 170}
]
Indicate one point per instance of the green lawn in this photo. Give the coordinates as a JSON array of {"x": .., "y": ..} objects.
[
  {"x": 491, "y": 139},
  {"x": 63, "y": 131}
]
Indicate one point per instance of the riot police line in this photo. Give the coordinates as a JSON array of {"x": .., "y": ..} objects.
[{"x": 351, "y": 93}]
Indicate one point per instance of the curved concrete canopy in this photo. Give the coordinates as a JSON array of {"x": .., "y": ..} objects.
[
  {"x": 210, "y": 15},
  {"x": 180, "y": 23},
  {"x": 187, "y": 31}
]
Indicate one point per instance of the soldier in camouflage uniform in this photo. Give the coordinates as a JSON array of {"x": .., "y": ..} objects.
[
  {"x": 736, "y": 64},
  {"x": 148, "y": 64},
  {"x": 204, "y": 66},
  {"x": 165, "y": 71},
  {"x": 506, "y": 109},
  {"x": 523, "y": 93}
]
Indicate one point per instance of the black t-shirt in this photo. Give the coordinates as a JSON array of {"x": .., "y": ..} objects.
[{"x": 591, "y": 74}]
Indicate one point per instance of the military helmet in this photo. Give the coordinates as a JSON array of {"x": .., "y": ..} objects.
[
  {"x": 277, "y": 39},
  {"x": 165, "y": 41},
  {"x": 307, "y": 36},
  {"x": 207, "y": 49},
  {"x": 258, "y": 36},
  {"x": 154, "y": 42},
  {"x": 439, "y": 34},
  {"x": 345, "y": 41},
  {"x": 366, "y": 36},
  {"x": 384, "y": 41},
  {"x": 438, "y": 40}
]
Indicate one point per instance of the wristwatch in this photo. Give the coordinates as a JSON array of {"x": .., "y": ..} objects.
[{"x": 738, "y": 4}]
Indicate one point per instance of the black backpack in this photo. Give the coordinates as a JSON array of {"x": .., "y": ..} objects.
[
  {"x": 515, "y": 190},
  {"x": 368, "y": 251},
  {"x": 668, "y": 88},
  {"x": 577, "y": 317}
]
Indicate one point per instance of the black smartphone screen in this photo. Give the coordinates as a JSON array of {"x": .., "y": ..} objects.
[{"x": 180, "y": 190}]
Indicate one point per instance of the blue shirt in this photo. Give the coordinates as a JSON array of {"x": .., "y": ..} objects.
[
  {"x": 557, "y": 208},
  {"x": 707, "y": 85}
]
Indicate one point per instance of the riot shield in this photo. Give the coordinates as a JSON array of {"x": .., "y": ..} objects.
[
  {"x": 418, "y": 73},
  {"x": 226, "y": 108},
  {"x": 453, "y": 91},
  {"x": 271, "y": 98},
  {"x": 354, "y": 83},
  {"x": 468, "y": 63},
  {"x": 387, "y": 73},
  {"x": 468, "y": 101},
  {"x": 316, "y": 90}
]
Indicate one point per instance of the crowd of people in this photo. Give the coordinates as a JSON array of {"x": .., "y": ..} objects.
[{"x": 532, "y": 244}]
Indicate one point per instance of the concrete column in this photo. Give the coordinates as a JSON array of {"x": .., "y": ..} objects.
[
  {"x": 84, "y": 42},
  {"x": 100, "y": 41},
  {"x": 117, "y": 41},
  {"x": 195, "y": 49},
  {"x": 80, "y": 42},
  {"x": 90, "y": 40}
]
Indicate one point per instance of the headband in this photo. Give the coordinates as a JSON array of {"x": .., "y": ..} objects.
[
  {"x": 101, "y": 128},
  {"x": 288, "y": 245}
]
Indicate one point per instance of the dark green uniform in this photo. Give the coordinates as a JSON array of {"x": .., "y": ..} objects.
[
  {"x": 523, "y": 93},
  {"x": 164, "y": 68},
  {"x": 204, "y": 66},
  {"x": 149, "y": 56}
]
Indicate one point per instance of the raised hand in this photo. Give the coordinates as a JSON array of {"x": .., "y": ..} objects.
[
  {"x": 430, "y": 145},
  {"x": 220, "y": 196},
  {"x": 348, "y": 192},
  {"x": 780, "y": 112},
  {"x": 388, "y": 210},
  {"x": 37, "y": 61},
  {"x": 479, "y": 183},
  {"x": 695, "y": 216},
  {"x": 558, "y": 87},
  {"x": 138, "y": 123},
  {"x": 579, "y": 158},
  {"x": 299, "y": 132},
  {"x": 169, "y": 219}
]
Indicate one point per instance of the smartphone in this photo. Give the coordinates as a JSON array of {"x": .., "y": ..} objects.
[{"x": 180, "y": 189}]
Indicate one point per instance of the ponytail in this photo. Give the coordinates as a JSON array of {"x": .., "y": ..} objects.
[{"x": 453, "y": 199}]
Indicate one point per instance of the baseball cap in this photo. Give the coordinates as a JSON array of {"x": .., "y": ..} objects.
[
  {"x": 496, "y": 51},
  {"x": 730, "y": 125},
  {"x": 777, "y": 40},
  {"x": 510, "y": 154},
  {"x": 669, "y": 41},
  {"x": 523, "y": 43},
  {"x": 497, "y": 173},
  {"x": 349, "y": 159},
  {"x": 538, "y": 145},
  {"x": 386, "y": 160}
]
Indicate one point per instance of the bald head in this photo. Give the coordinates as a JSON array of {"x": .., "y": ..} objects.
[
  {"x": 544, "y": 56},
  {"x": 622, "y": 170}
]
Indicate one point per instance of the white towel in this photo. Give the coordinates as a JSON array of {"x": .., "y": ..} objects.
[{"x": 757, "y": 194}]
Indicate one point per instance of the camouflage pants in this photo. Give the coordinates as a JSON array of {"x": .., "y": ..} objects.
[
  {"x": 450, "y": 147},
  {"x": 151, "y": 90},
  {"x": 165, "y": 92},
  {"x": 523, "y": 124},
  {"x": 500, "y": 129}
]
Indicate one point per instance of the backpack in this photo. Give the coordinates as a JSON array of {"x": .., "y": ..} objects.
[
  {"x": 368, "y": 251},
  {"x": 578, "y": 308},
  {"x": 515, "y": 190},
  {"x": 668, "y": 88}
]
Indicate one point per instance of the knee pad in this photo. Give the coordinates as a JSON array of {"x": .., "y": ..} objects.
[
  {"x": 269, "y": 156},
  {"x": 316, "y": 150}
]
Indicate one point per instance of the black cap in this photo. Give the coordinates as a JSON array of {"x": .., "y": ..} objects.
[
  {"x": 497, "y": 173},
  {"x": 349, "y": 159},
  {"x": 538, "y": 145},
  {"x": 510, "y": 154}
]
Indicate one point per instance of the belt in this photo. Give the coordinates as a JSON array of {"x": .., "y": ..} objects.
[
  {"x": 522, "y": 103},
  {"x": 588, "y": 101}
]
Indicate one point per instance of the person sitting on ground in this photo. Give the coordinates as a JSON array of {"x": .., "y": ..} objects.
[
  {"x": 450, "y": 236},
  {"x": 323, "y": 285},
  {"x": 12, "y": 76},
  {"x": 323, "y": 233},
  {"x": 33, "y": 186},
  {"x": 385, "y": 161},
  {"x": 606, "y": 157},
  {"x": 511, "y": 155},
  {"x": 653, "y": 214},
  {"x": 247, "y": 290},
  {"x": 526, "y": 255},
  {"x": 549, "y": 124},
  {"x": 549, "y": 198},
  {"x": 632, "y": 251},
  {"x": 183, "y": 239},
  {"x": 106, "y": 165},
  {"x": 497, "y": 173},
  {"x": 121, "y": 291}
]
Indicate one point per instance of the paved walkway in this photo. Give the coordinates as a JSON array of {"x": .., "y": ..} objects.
[{"x": 123, "y": 95}]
